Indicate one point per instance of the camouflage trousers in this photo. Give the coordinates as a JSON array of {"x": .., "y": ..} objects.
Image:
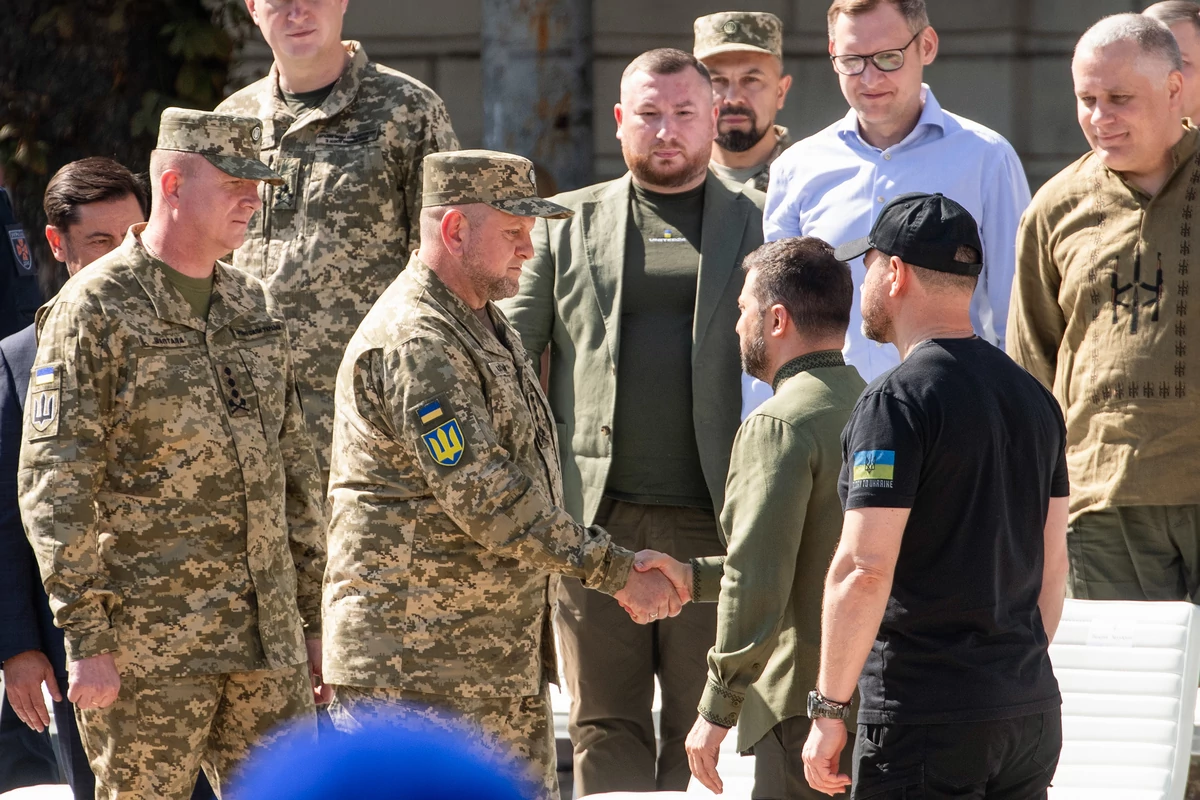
[
  {"x": 152, "y": 742},
  {"x": 516, "y": 731}
]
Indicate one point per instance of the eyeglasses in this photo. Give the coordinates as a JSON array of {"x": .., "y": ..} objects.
[{"x": 884, "y": 60}]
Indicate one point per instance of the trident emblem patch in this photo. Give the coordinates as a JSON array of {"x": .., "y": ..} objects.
[{"x": 445, "y": 443}]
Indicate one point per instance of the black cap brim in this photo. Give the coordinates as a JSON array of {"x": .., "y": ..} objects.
[{"x": 852, "y": 250}]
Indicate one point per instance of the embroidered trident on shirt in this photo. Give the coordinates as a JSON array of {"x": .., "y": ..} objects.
[{"x": 1135, "y": 302}]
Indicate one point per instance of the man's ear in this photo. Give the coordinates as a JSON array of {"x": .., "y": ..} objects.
[
  {"x": 781, "y": 321},
  {"x": 618, "y": 115},
  {"x": 170, "y": 183},
  {"x": 455, "y": 228},
  {"x": 785, "y": 83},
  {"x": 900, "y": 276},
  {"x": 55, "y": 237}
]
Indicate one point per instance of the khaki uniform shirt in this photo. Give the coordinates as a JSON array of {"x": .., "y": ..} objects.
[
  {"x": 331, "y": 239},
  {"x": 167, "y": 483},
  {"x": 781, "y": 522},
  {"x": 1102, "y": 314},
  {"x": 762, "y": 175},
  {"x": 447, "y": 500}
]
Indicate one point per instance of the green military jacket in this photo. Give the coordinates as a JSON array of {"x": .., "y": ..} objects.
[
  {"x": 570, "y": 299},
  {"x": 446, "y": 500},
  {"x": 781, "y": 523},
  {"x": 167, "y": 483},
  {"x": 331, "y": 239}
]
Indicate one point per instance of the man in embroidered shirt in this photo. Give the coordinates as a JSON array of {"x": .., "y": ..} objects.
[{"x": 1102, "y": 315}]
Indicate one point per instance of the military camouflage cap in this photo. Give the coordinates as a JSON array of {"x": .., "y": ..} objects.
[
  {"x": 229, "y": 143},
  {"x": 738, "y": 31},
  {"x": 501, "y": 180}
]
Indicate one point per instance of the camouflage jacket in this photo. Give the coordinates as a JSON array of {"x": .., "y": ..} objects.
[
  {"x": 331, "y": 239},
  {"x": 783, "y": 141},
  {"x": 167, "y": 483},
  {"x": 446, "y": 496}
]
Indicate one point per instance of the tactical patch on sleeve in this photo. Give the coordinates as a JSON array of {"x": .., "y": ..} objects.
[
  {"x": 440, "y": 432},
  {"x": 45, "y": 401}
]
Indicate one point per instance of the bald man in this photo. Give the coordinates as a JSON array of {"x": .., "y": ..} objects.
[
  {"x": 169, "y": 488},
  {"x": 1102, "y": 313}
]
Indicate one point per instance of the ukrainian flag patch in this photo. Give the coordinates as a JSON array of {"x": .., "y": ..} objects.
[
  {"x": 43, "y": 375},
  {"x": 445, "y": 442},
  {"x": 429, "y": 412},
  {"x": 874, "y": 469}
]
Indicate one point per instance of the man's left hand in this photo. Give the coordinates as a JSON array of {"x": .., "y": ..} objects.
[
  {"x": 822, "y": 752},
  {"x": 703, "y": 748},
  {"x": 322, "y": 692}
]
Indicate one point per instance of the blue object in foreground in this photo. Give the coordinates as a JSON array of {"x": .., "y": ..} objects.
[{"x": 380, "y": 762}]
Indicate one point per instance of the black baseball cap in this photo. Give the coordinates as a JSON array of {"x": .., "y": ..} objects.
[{"x": 924, "y": 230}]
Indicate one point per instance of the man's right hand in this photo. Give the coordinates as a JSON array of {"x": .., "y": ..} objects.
[
  {"x": 679, "y": 573},
  {"x": 24, "y": 674},
  {"x": 649, "y": 596},
  {"x": 93, "y": 682}
]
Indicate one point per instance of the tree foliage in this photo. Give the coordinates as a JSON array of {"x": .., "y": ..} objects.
[{"x": 90, "y": 77}]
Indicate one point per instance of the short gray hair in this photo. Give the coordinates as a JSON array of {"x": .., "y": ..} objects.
[
  {"x": 1152, "y": 37},
  {"x": 1170, "y": 12}
]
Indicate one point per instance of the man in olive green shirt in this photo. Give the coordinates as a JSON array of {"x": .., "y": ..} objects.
[
  {"x": 1101, "y": 315},
  {"x": 782, "y": 517}
]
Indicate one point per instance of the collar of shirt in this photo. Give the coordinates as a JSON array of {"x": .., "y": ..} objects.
[
  {"x": 931, "y": 124},
  {"x": 806, "y": 362},
  {"x": 344, "y": 90},
  {"x": 457, "y": 309}
]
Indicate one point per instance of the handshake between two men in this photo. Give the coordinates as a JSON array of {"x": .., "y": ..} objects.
[{"x": 658, "y": 587}]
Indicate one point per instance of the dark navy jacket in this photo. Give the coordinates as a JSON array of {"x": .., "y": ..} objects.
[{"x": 25, "y": 619}]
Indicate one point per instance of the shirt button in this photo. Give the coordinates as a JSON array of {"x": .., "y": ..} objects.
[
  {"x": 880, "y": 198},
  {"x": 607, "y": 431},
  {"x": 887, "y": 156}
]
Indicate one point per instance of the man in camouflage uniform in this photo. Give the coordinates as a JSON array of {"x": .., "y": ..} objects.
[
  {"x": 348, "y": 136},
  {"x": 168, "y": 485},
  {"x": 446, "y": 490},
  {"x": 743, "y": 51}
]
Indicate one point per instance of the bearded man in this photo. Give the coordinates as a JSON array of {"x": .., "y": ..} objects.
[{"x": 636, "y": 296}]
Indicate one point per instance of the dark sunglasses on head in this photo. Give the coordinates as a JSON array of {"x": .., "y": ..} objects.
[{"x": 884, "y": 60}]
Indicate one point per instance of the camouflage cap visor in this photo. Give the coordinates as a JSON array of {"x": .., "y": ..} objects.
[
  {"x": 732, "y": 47},
  {"x": 532, "y": 207},
  {"x": 249, "y": 168}
]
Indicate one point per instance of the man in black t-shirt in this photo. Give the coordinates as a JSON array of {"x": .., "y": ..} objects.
[{"x": 948, "y": 582}]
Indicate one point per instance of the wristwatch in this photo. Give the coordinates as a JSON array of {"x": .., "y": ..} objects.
[{"x": 820, "y": 706}]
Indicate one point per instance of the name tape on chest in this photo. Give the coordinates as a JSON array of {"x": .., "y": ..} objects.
[{"x": 350, "y": 139}]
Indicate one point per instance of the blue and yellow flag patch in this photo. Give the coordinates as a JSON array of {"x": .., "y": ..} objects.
[
  {"x": 445, "y": 442},
  {"x": 874, "y": 468},
  {"x": 429, "y": 412}
]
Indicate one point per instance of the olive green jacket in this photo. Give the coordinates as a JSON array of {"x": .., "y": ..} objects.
[
  {"x": 570, "y": 299},
  {"x": 781, "y": 523}
]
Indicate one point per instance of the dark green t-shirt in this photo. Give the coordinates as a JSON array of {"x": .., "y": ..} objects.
[
  {"x": 655, "y": 458},
  {"x": 299, "y": 102},
  {"x": 197, "y": 291}
]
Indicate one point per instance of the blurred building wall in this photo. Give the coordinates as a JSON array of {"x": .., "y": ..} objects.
[{"x": 1004, "y": 63}]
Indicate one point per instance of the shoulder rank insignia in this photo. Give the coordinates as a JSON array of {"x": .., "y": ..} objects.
[{"x": 445, "y": 443}]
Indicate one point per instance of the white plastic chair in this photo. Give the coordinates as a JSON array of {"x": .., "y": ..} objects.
[{"x": 1128, "y": 673}]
